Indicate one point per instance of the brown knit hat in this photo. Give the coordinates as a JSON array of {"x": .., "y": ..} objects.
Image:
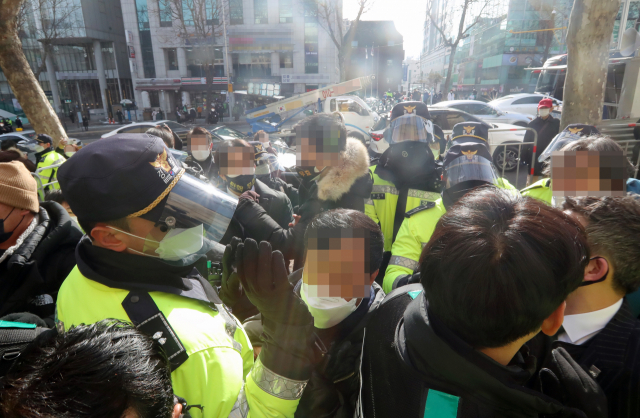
[{"x": 17, "y": 187}]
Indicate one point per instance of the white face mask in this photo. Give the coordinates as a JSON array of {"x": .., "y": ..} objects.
[
  {"x": 39, "y": 148},
  {"x": 544, "y": 111},
  {"x": 200, "y": 155},
  {"x": 69, "y": 153},
  {"x": 327, "y": 312},
  {"x": 177, "y": 244}
]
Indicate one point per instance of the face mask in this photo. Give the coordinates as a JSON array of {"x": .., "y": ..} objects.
[
  {"x": 69, "y": 153},
  {"x": 4, "y": 235},
  {"x": 39, "y": 148},
  {"x": 601, "y": 279},
  {"x": 240, "y": 183},
  {"x": 544, "y": 112},
  {"x": 327, "y": 312},
  {"x": 200, "y": 155},
  {"x": 177, "y": 244}
]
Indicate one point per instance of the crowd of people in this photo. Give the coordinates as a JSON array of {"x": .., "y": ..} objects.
[{"x": 419, "y": 284}]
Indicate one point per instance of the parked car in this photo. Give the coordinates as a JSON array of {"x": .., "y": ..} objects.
[
  {"x": 24, "y": 141},
  {"x": 142, "y": 127},
  {"x": 526, "y": 103},
  {"x": 488, "y": 113},
  {"x": 224, "y": 133},
  {"x": 447, "y": 118}
]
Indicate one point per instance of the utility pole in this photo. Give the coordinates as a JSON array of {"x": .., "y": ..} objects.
[{"x": 227, "y": 73}]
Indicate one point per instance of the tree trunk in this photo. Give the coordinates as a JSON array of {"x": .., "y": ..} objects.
[
  {"x": 590, "y": 27},
  {"x": 209, "y": 80},
  {"x": 447, "y": 82},
  {"x": 20, "y": 77}
]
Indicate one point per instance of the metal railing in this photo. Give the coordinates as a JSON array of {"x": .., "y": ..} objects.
[
  {"x": 42, "y": 186},
  {"x": 504, "y": 146}
]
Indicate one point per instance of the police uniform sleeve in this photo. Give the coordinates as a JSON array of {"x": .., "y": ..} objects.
[{"x": 405, "y": 254}]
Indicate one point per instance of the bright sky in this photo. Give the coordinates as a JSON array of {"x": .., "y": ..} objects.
[{"x": 408, "y": 16}]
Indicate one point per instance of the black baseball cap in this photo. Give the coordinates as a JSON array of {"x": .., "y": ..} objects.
[{"x": 44, "y": 139}]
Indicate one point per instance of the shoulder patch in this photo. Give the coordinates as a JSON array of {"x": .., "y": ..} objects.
[{"x": 427, "y": 205}]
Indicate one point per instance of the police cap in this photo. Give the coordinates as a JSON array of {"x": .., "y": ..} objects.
[
  {"x": 466, "y": 148},
  {"x": 581, "y": 129},
  {"x": 417, "y": 108},
  {"x": 470, "y": 130},
  {"x": 119, "y": 176}
]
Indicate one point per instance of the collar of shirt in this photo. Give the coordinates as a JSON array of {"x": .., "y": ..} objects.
[{"x": 580, "y": 328}]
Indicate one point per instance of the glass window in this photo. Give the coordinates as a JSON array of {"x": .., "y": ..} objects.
[
  {"x": 286, "y": 11},
  {"x": 172, "y": 59},
  {"x": 226, "y": 133},
  {"x": 454, "y": 118},
  {"x": 236, "y": 12},
  {"x": 440, "y": 119},
  {"x": 164, "y": 9},
  {"x": 352, "y": 106},
  {"x": 528, "y": 100},
  {"x": 175, "y": 126},
  {"x": 260, "y": 11},
  {"x": 286, "y": 60},
  {"x": 332, "y": 105},
  {"x": 134, "y": 130}
]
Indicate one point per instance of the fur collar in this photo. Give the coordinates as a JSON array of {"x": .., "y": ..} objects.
[
  {"x": 337, "y": 180},
  {"x": 20, "y": 153}
]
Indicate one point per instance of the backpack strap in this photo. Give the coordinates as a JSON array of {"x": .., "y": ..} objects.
[
  {"x": 14, "y": 339},
  {"x": 149, "y": 320}
]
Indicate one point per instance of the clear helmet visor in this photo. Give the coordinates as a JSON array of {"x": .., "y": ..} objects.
[
  {"x": 192, "y": 203},
  {"x": 560, "y": 140},
  {"x": 409, "y": 128},
  {"x": 469, "y": 168}
]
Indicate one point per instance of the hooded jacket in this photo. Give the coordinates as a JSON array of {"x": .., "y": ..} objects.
[
  {"x": 32, "y": 272},
  {"x": 345, "y": 185},
  {"x": 414, "y": 366}
]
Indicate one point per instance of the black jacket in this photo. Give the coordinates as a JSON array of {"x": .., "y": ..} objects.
[
  {"x": 258, "y": 220},
  {"x": 333, "y": 388},
  {"x": 276, "y": 183},
  {"x": 32, "y": 274},
  {"x": 547, "y": 129},
  {"x": 615, "y": 352},
  {"x": 411, "y": 360}
]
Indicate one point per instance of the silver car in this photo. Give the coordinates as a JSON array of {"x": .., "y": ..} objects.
[{"x": 487, "y": 112}]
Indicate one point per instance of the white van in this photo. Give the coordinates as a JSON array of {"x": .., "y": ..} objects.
[{"x": 358, "y": 116}]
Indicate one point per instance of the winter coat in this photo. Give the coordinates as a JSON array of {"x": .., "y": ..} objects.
[
  {"x": 547, "y": 130},
  {"x": 32, "y": 271},
  {"x": 14, "y": 154}
]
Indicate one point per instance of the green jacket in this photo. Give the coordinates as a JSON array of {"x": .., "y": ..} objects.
[
  {"x": 540, "y": 190},
  {"x": 413, "y": 235},
  {"x": 381, "y": 207},
  {"x": 50, "y": 175},
  {"x": 219, "y": 374}
]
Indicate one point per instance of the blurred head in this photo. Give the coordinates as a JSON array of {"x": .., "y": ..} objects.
[
  {"x": 590, "y": 166},
  {"x": 44, "y": 142},
  {"x": 200, "y": 143},
  {"x": 320, "y": 138},
  {"x": 544, "y": 107},
  {"x": 343, "y": 254},
  {"x": 613, "y": 232},
  {"x": 108, "y": 369},
  {"x": 18, "y": 202},
  {"x": 237, "y": 162},
  {"x": 498, "y": 267}
]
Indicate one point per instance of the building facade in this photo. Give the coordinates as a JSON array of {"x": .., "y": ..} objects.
[
  {"x": 377, "y": 48},
  {"x": 273, "y": 48},
  {"x": 411, "y": 76},
  {"x": 85, "y": 69}
]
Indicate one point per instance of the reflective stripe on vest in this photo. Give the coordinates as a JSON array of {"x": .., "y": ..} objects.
[{"x": 397, "y": 260}]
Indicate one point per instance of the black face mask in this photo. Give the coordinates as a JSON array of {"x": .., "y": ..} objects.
[
  {"x": 4, "y": 235},
  {"x": 240, "y": 183},
  {"x": 601, "y": 279}
]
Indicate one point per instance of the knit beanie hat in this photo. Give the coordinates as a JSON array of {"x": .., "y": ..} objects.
[{"x": 17, "y": 187}]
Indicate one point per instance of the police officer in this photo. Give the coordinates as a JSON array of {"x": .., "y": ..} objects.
[
  {"x": 541, "y": 189},
  {"x": 405, "y": 176},
  {"x": 467, "y": 164},
  {"x": 47, "y": 156},
  {"x": 148, "y": 225}
]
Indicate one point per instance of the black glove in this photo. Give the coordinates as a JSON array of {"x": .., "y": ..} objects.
[
  {"x": 287, "y": 323},
  {"x": 568, "y": 383},
  {"x": 231, "y": 291}
]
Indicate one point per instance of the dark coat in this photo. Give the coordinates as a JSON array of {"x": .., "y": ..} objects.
[
  {"x": 257, "y": 221},
  {"x": 547, "y": 130},
  {"x": 410, "y": 358},
  {"x": 615, "y": 351},
  {"x": 333, "y": 388},
  {"x": 33, "y": 274}
]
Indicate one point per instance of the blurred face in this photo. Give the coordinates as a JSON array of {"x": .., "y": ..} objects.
[
  {"x": 588, "y": 173},
  {"x": 237, "y": 161},
  {"x": 337, "y": 266},
  {"x": 15, "y": 222},
  {"x": 311, "y": 151}
]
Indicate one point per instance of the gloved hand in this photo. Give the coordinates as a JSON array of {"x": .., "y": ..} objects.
[
  {"x": 231, "y": 291},
  {"x": 249, "y": 195},
  {"x": 568, "y": 383},
  {"x": 287, "y": 323}
]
